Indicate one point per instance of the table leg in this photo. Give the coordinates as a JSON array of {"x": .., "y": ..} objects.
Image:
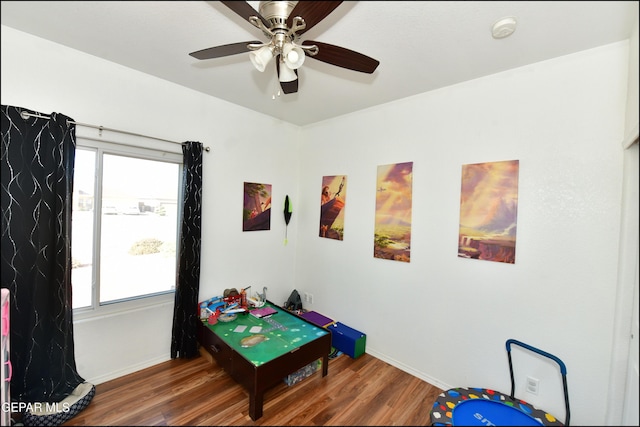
[
  {"x": 325, "y": 365},
  {"x": 256, "y": 400}
]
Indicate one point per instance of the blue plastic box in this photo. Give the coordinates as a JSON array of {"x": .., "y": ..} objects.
[{"x": 347, "y": 340}]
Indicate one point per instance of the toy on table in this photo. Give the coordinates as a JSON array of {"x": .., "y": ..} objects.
[
  {"x": 225, "y": 307},
  {"x": 259, "y": 300},
  {"x": 223, "y": 314}
]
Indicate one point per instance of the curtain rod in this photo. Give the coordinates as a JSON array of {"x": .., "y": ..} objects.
[{"x": 26, "y": 114}]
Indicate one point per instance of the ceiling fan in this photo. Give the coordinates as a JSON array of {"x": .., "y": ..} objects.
[{"x": 283, "y": 22}]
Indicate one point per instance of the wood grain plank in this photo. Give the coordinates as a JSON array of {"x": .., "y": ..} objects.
[{"x": 197, "y": 392}]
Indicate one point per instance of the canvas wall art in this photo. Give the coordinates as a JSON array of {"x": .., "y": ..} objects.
[
  {"x": 489, "y": 211},
  {"x": 392, "y": 236},
  {"x": 256, "y": 209},
  {"x": 333, "y": 199}
]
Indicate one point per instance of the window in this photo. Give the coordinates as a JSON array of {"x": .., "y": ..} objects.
[{"x": 124, "y": 223}]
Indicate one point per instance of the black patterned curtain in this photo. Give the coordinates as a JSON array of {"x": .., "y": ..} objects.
[
  {"x": 37, "y": 162},
  {"x": 184, "y": 343}
]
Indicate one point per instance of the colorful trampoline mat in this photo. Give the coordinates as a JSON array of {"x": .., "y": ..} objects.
[{"x": 481, "y": 407}]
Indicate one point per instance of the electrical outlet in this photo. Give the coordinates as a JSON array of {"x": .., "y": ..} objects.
[
  {"x": 306, "y": 297},
  {"x": 532, "y": 385},
  {"x": 310, "y": 299}
]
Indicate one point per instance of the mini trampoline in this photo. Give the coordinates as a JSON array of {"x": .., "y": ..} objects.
[{"x": 482, "y": 407}]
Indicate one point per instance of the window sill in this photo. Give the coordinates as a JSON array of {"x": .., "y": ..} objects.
[{"x": 119, "y": 308}]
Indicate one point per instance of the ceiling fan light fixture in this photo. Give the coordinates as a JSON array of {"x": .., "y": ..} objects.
[
  {"x": 260, "y": 58},
  {"x": 286, "y": 74},
  {"x": 293, "y": 56},
  {"x": 282, "y": 22}
]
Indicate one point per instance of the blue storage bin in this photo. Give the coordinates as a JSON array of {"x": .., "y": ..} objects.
[{"x": 347, "y": 340}]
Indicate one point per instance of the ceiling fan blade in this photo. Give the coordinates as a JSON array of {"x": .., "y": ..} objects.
[
  {"x": 312, "y": 12},
  {"x": 343, "y": 57},
  {"x": 244, "y": 10},
  {"x": 287, "y": 87},
  {"x": 224, "y": 50}
]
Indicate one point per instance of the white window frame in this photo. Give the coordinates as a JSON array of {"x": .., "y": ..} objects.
[{"x": 137, "y": 147}]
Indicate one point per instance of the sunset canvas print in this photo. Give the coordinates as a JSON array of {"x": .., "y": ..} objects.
[
  {"x": 392, "y": 237},
  {"x": 489, "y": 211}
]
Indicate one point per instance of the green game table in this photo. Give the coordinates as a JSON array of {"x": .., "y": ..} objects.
[{"x": 285, "y": 343}]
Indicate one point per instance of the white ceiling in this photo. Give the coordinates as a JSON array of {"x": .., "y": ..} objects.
[{"x": 421, "y": 45}]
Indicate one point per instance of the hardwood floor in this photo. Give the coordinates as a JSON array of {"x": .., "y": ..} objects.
[{"x": 197, "y": 392}]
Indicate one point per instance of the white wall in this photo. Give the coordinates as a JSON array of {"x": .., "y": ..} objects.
[
  {"x": 633, "y": 92},
  {"x": 47, "y": 77},
  {"x": 625, "y": 352},
  {"x": 444, "y": 318},
  {"x": 440, "y": 317}
]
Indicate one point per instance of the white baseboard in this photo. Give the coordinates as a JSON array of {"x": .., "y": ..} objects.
[
  {"x": 128, "y": 370},
  {"x": 409, "y": 370}
]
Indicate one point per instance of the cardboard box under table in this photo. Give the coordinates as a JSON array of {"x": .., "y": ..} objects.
[{"x": 347, "y": 340}]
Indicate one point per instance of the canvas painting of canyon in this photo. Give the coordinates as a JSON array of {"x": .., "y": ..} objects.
[
  {"x": 489, "y": 211},
  {"x": 392, "y": 237}
]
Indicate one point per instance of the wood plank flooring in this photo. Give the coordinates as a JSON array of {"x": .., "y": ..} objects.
[{"x": 197, "y": 392}]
